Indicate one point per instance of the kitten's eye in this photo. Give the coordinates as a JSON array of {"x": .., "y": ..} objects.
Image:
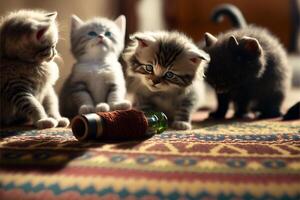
[
  {"x": 107, "y": 33},
  {"x": 45, "y": 49},
  {"x": 169, "y": 75},
  {"x": 149, "y": 68},
  {"x": 92, "y": 33}
]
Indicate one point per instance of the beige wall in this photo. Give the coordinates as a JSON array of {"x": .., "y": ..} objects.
[{"x": 83, "y": 8}]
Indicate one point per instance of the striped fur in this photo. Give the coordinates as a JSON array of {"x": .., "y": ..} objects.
[
  {"x": 27, "y": 70},
  {"x": 165, "y": 74},
  {"x": 96, "y": 82}
]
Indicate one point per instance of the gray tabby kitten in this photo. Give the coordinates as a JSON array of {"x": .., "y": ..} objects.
[
  {"x": 248, "y": 67},
  {"x": 97, "y": 81},
  {"x": 165, "y": 74},
  {"x": 28, "y": 72}
]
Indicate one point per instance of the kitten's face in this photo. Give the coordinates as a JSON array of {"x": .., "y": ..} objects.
[
  {"x": 29, "y": 36},
  {"x": 94, "y": 39},
  {"x": 233, "y": 62},
  {"x": 164, "y": 64}
]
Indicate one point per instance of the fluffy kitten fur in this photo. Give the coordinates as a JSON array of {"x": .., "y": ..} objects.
[
  {"x": 97, "y": 81},
  {"x": 248, "y": 67},
  {"x": 28, "y": 72},
  {"x": 165, "y": 74}
]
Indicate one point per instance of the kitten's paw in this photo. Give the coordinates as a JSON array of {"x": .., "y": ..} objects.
[
  {"x": 102, "y": 107},
  {"x": 63, "y": 122},
  {"x": 46, "y": 123},
  {"x": 181, "y": 125},
  {"x": 122, "y": 105},
  {"x": 85, "y": 109}
]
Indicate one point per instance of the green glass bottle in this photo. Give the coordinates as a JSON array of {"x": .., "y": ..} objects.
[{"x": 157, "y": 122}]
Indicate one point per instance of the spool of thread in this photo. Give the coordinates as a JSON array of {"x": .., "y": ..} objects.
[{"x": 118, "y": 125}]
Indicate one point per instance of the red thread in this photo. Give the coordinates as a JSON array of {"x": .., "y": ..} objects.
[{"x": 118, "y": 125}]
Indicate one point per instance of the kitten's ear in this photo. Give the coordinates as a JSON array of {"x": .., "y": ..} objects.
[
  {"x": 42, "y": 28},
  {"x": 75, "y": 22},
  {"x": 40, "y": 31},
  {"x": 209, "y": 39},
  {"x": 121, "y": 23},
  {"x": 52, "y": 16},
  {"x": 144, "y": 40},
  {"x": 232, "y": 42},
  {"x": 197, "y": 56},
  {"x": 251, "y": 45}
]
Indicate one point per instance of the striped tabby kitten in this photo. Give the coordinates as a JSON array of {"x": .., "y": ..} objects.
[
  {"x": 28, "y": 72},
  {"x": 165, "y": 74},
  {"x": 97, "y": 81}
]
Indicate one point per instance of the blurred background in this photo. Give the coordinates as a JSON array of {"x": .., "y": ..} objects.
[{"x": 281, "y": 17}]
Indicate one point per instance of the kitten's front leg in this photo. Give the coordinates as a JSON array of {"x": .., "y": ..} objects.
[
  {"x": 241, "y": 106},
  {"x": 182, "y": 118},
  {"x": 116, "y": 97},
  {"x": 51, "y": 106},
  {"x": 26, "y": 103},
  {"x": 223, "y": 104},
  {"x": 82, "y": 98}
]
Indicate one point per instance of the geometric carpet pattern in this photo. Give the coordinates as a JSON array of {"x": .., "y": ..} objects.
[{"x": 227, "y": 161}]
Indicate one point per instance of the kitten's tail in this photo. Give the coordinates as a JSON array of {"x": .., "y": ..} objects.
[{"x": 235, "y": 15}]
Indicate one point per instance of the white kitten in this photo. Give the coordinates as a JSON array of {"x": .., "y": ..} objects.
[{"x": 97, "y": 81}]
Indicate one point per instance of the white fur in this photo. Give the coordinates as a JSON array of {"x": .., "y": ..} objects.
[
  {"x": 98, "y": 68},
  {"x": 98, "y": 76}
]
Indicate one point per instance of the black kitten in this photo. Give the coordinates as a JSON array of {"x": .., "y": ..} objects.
[{"x": 248, "y": 67}]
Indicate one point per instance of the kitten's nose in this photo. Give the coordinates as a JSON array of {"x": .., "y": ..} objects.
[
  {"x": 156, "y": 81},
  {"x": 100, "y": 36}
]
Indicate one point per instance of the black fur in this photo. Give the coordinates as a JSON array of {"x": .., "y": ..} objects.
[
  {"x": 293, "y": 112},
  {"x": 236, "y": 17},
  {"x": 249, "y": 68}
]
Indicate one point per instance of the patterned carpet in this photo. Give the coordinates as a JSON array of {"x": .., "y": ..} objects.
[{"x": 226, "y": 161}]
